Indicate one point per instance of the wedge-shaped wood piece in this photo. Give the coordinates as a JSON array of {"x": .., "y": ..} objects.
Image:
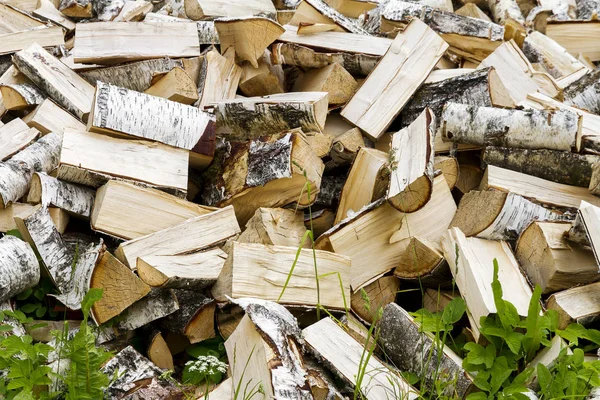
[
  {"x": 319, "y": 12},
  {"x": 116, "y": 42},
  {"x": 21, "y": 96},
  {"x": 473, "y": 11},
  {"x": 386, "y": 90},
  {"x": 45, "y": 37},
  {"x": 578, "y": 304},
  {"x": 204, "y": 9},
  {"x": 266, "y": 172},
  {"x": 19, "y": 268},
  {"x": 129, "y": 211},
  {"x": 449, "y": 167},
  {"x": 234, "y": 32},
  {"x": 62, "y": 84},
  {"x": 158, "y": 304},
  {"x": 539, "y": 48},
  {"x": 329, "y": 341},
  {"x": 345, "y": 148},
  {"x": 275, "y": 226},
  {"x": 192, "y": 235},
  {"x": 572, "y": 35},
  {"x": 497, "y": 215},
  {"x": 403, "y": 340},
  {"x": 123, "y": 111},
  {"x": 47, "y": 11},
  {"x": 423, "y": 263},
  {"x": 249, "y": 118},
  {"x": 157, "y": 349},
  {"x": 260, "y": 271},
  {"x": 49, "y": 191},
  {"x": 219, "y": 79},
  {"x": 535, "y": 189},
  {"x": 381, "y": 229},
  {"x": 587, "y": 223},
  {"x": 552, "y": 262},
  {"x": 411, "y": 164},
  {"x": 267, "y": 79},
  {"x": 531, "y": 129},
  {"x": 195, "y": 318},
  {"x": 472, "y": 265},
  {"x": 176, "y": 85},
  {"x": 48, "y": 117},
  {"x": 77, "y": 8},
  {"x": 7, "y": 222},
  {"x": 14, "y": 137},
  {"x": 93, "y": 159},
  {"x": 379, "y": 294},
  {"x": 333, "y": 79}
]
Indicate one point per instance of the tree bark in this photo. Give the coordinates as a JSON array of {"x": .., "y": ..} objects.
[
  {"x": 539, "y": 48},
  {"x": 584, "y": 93},
  {"x": 49, "y": 191},
  {"x": 19, "y": 268},
  {"x": 503, "y": 10},
  {"x": 158, "y": 304},
  {"x": 29, "y": 95},
  {"x": 587, "y": 8},
  {"x": 195, "y": 317}
]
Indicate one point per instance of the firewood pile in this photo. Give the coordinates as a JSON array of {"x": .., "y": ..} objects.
[{"x": 261, "y": 170}]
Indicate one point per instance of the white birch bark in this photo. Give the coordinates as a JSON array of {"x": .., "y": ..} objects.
[
  {"x": 158, "y": 304},
  {"x": 48, "y": 190},
  {"x": 532, "y": 129},
  {"x": 539, "y": 48},
  {"x": 107, "y": 10},
  {"x": 207, "y": 33},
  {"x": 504, "y": 9},
  {"x": 30, "y": 93},
  {"x": 348, "y": 24},
  {"x": 19, "y": 267},
  {"x": 584, "y": 93}
]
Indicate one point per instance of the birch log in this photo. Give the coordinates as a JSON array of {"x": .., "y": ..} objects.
[
  {"x": 319, "y": 12},
  {"x": 49, "y": 191},
  {"x": 158, "y": 304},
  {"x": 210, "y": 9},
  {"x": 195, "y": 317},
  {"x": 21, "y": 96},
  {"x": 62, "y": 84},
  {"x": 219, "y": 78},
  {"x": 578, "y": 304},
  {"x": 532, "y": 129},
  {"x": 14, "y": 137},
  {"x": 19, "y": 267},
  {"x": 16, "y": 173},
  {"x": 274, "y": 226},
  {"x": 588, "y": 223},
  {"x": 411, "y": 176},
  {"x": 48, "y": 117},
  {"x": 539, "y": 48},
  {"x": 584, "y": 93},
  {"x": 503, "y": 10},
  {"x": 77, "y": 8}
]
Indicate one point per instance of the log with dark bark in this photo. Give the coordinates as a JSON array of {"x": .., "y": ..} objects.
[
  {"x": 195, "y": 317},
  {"x": 158, "y": 304},
  {"x": 19, "y": 268}
]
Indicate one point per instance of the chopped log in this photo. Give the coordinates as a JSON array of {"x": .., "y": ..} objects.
[
  {"x": 423, "y": 263},
  {"x": 531, "y": 129},
  {"x": 21, "y": 96},
  {"x": 77, "y": 8},
  {"x": 49, "y": 191},
  {"x": 504, "y": 11},
  {"x": 235, "y": 32},
  {"x": 262, "y": 272},
  {"x": 269, "y": 172},
  {"x": 471, "y": 10},
  {"x": 7, "y": 223},
  {"x": 203, "y": 9},
  {"x": 318, "y": 11},
  {"x": 557, "y": 166},
  {"x": 133, "y": 76},
  {"x": 351, "y": 8},
  {"x": 193, "y": 271},
  {"x": 45, "y": 37},
  {"x": 378, "y": 294},
  {"x": 228, "y": 318},
  {"x": 329, "y": 342},
  {"x": 381, "y": 229},
  {"x": 586, "y": 224},
  {"x": 539, "y": 48},
  {"x": 16, "y": 173},
  {"x": 410, "y": 349},
  {"x": 471, "y": 262},
  {"x": 129, "y": 211},
  {"x": 471, "y": 38},
  {"x": 93, "y": 159},
  {"x": 133, "y": 11},
  {"x": 497, "y": 215},
  {"x": 122, "y": 111},
  {"x": 333, "y": 79},
  {"x": 176, "y": 85},
  {"x": 552, "y": 262},
  {"x": 449, "y": 167},
  {"x": 275, "y": 226},
  {"x": 578, "y": 304},
  {"x": 158, "y": 304},
  {"x": 158, "y": 351},
  {"x": 249, "y": 118},
  {"x": 63, "y": 85},
  {"x": 421, "y": 50},
  {"x": 14, "y": 137},
  {"x": 411, "y": 164},
  {"x": 120, "y": 288},
  {"x": 583, "y": 93},
  {"x": 195, "y": 317},
  {"x": 48, "y": 12},
  {"x": 220, "y": 78},
  {"x": 48, "y": 117},
  {"x": 192, "y": 235},
  {"x": 267, "y": 79},
  {"x": 117, "y": 42},
  {"x": 442, "y": 73},
  {"x": 573, "y": 35},
  {"x": 19, "y": 267},
  {"x": 535, "y": 189},
  {"x": 12, "y": 19},
  {"x": 157, "y": 389},
  {"x": 345, "y": 148}
]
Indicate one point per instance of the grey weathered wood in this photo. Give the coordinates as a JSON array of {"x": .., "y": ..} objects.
[
  {"x": 158, "y": 304},
  {"x": 48, "y": 191},
  {"x": 584, "y": 93},
  {"x": 19, "y": 267}
]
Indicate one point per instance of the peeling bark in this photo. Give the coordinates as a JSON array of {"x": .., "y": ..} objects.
[
  {"x": 19, "y": 267},
  {"x": 158, "y": 304},
  {"x": 31, "y": 95},
  {"x": 48, "y": 191},
  {"x": 584, "y": 93},
  {"x": 195, "y": 317}
]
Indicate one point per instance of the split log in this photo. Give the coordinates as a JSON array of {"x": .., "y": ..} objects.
[
  {"x": 49, "y": 191},
  {"x": 586, "y": 226},
  {"x": 262, "y": 272},
  {"x": 133, "y": 76},
  {"x": 96, "y": 41},
  {"x": 471, "y": 262},
  {"x": 220, "y": 78},
  {"x": 14, "y": 137},
  {"x": 449, "y": 167},
  {"x": 318, "y": 11},
  {"x": 552, "y": 262},
  {"x": 556, "y": 166},
  {"x": 77, "y": 8},
  {"x": 157, "y": 389},
  {"x": 7, "y": 223},
  {"x": 235, "y": 32},
  {"x": 203, "y": 9},
  {"x": 329, "y": 342},
  {"x": 157, "y": 349},
  {"x": 267, "y": 79},
  {"x": 469, "y": 178},
  {"x": 573, "y": 36},
  {"x": 470, "y": 38},
  {"x": 133, "y": 11},
  {"x": 351, "y": 8},
  {"x": 16, "y": 173},
  {"x": 63, "y": 85},
  {"x": 411, "y": 164},
  {"x": 22, "y": 96},
  {"x": 473, "y": 11},
  {"x": 531, "y": 129},
  {"x": 381, "y": 229},
  {"x": 158, "y": 304},
  {"x": 249, "y": 118},
  {"x": 193, "y": 271},
  {"x": 423, "y": 264},
  {"x": 128, "y": 211},
  {"x": 412, "y": 350},
  {"x": 48, "y": 117},
  {"x": 345, "y": 147},
  {"x": 535, "y": 189},
  {"x": 584, "y": 93},
  {"x": 177, "y": 86},
  {"x": 274, "y": 172},
  {"x": 15, "y": 20},
  {"x": 539, "y": 48},
  {"x": 275, "y": 226},
  {"x": 195, "y": 317},
  {"x": 378, "y": 295},
  {"x": 422, "y": 48},
  {"x": 497, "y": 215},
  {"x": 192, "y": 235},
  {"x": 19, "y": 267},
  {"x": 122, "y": 111},
  {"x": 595, "y": 179},
  {"x": 46, "y": 37},
  {"x": 228, "y": 318},
  {"x": 578, "y": 304},
  {"x": 333, "y": 79},
  {"x": 48, "y": 12},
  {"x": 93, "y": 159}
]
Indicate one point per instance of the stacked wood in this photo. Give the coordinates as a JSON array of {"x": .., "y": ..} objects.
[
  {"x": 195, "y": 316},
  {"x": 14, "y": 137},
  {"x": 47, "y": 190},
  {"x": 7, "y": 215},
  {"x": 49, "y": 117},
  {"x": 578, "y": 304}
]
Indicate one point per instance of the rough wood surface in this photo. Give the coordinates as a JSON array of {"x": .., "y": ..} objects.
[
  {"x": 7, "y": 222},
  {"x": 19, "y": 268},
  {"x": 14, "y": 137},
  {"x": 49, "y": 191},
  {"x": 423, "y": 263},
  {"x": 21, "y": 96},
  {"x": 573, "y": 36},
  {"x": 45, "y": 36},
  {"x": 220, "y": 78},
  {"x": 588, "y": 220},
  {"x": 504, "y": 10},
  {"x": 274, "y": 226},
  {"x": 333, "y": 79},
  {"x": 578, "y": 304},
  {"x": 378, "y": 294},
  {"x": 195, "y": 317},
  {"x": 158, "y": 304}
]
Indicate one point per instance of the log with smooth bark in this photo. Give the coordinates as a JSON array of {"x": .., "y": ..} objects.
[
  {"x": 584, "y": 93},
  {"x": 195, "y": 317},
  {"x": 275, "y": 226},
  {"x": 378, "y": 295},
  {"x": 21, "y": 96},
  {"x": 49, "y": 191},
  {"x": 158, "y": 304},
  {"x": 203, "y": 9},
  {"x": 539, "y": 48},
  {"x": 579, "y": 304},
  {"x": 48, "y": 117},
  {"x": 219, "y": 78},
  {"x": 503, "y": 11},
  {"x": 19, "y": 268},
  {"x": 423, "y": 263},
  {"x": 14, "y": 137}
]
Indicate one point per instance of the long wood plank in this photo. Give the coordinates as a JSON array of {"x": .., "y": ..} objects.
[{"x": 45, "y": 37}]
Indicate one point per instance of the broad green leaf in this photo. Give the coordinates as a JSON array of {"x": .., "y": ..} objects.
[
  {"x": 578, "y": 357},
  {"x": 24, "y": 294},
  {"x": 481, "y": 380},
  {"x": 476, "y": 353},
  {"x": 29, "y": 308},
  {"x": 6, "y": 328},
  {"x": 477, "y": 396},
  {"x": 454, "y": 311},
  {"x": 513, "y": 340},
  {"x": 490, "y": 355},
  {"x": 499, "y": 374},
  {"x": 544, "y": 377}
]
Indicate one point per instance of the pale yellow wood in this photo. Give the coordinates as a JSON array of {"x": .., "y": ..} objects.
[
  {"x": 351, "y": 8},
  {"x": 7, "y": 223},
  {"x": 49, "y": 117},
  {"x": 575, "y": 37},
  {"x": 15, "y": 136},
  {"x": 45, "y": 37},
  {"x": 307, "y": 14},
  {"x": 471, "y": 10},
  {"x": 210, "y": 9},
  {"x": 306, "y": 28},
  {"x": 221, "y": 79},
  {"x": 333, "y": 79},
  {"x": 579, "y": 304},
  {"x": 48, "y": 12},
  {"x": 176, "y": 85},
  {"x": 11, "y": 21},
  {"x": 275, "y": 226},
  {"x": 379, "y": 294}
]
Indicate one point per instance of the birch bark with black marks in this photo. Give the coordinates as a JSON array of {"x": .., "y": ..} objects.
[
  {"x": 49, "y": 191},
  {"x": 503, "y": 10},
  {"x": 158, "y": 304},
  {"x": 28, "y": 95},
  {"x": 539, "y": 48},
  {"x": 584, "y": 93},
  {"x": 19, "y": 267},
  {"x": 586, "y": 9}
]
